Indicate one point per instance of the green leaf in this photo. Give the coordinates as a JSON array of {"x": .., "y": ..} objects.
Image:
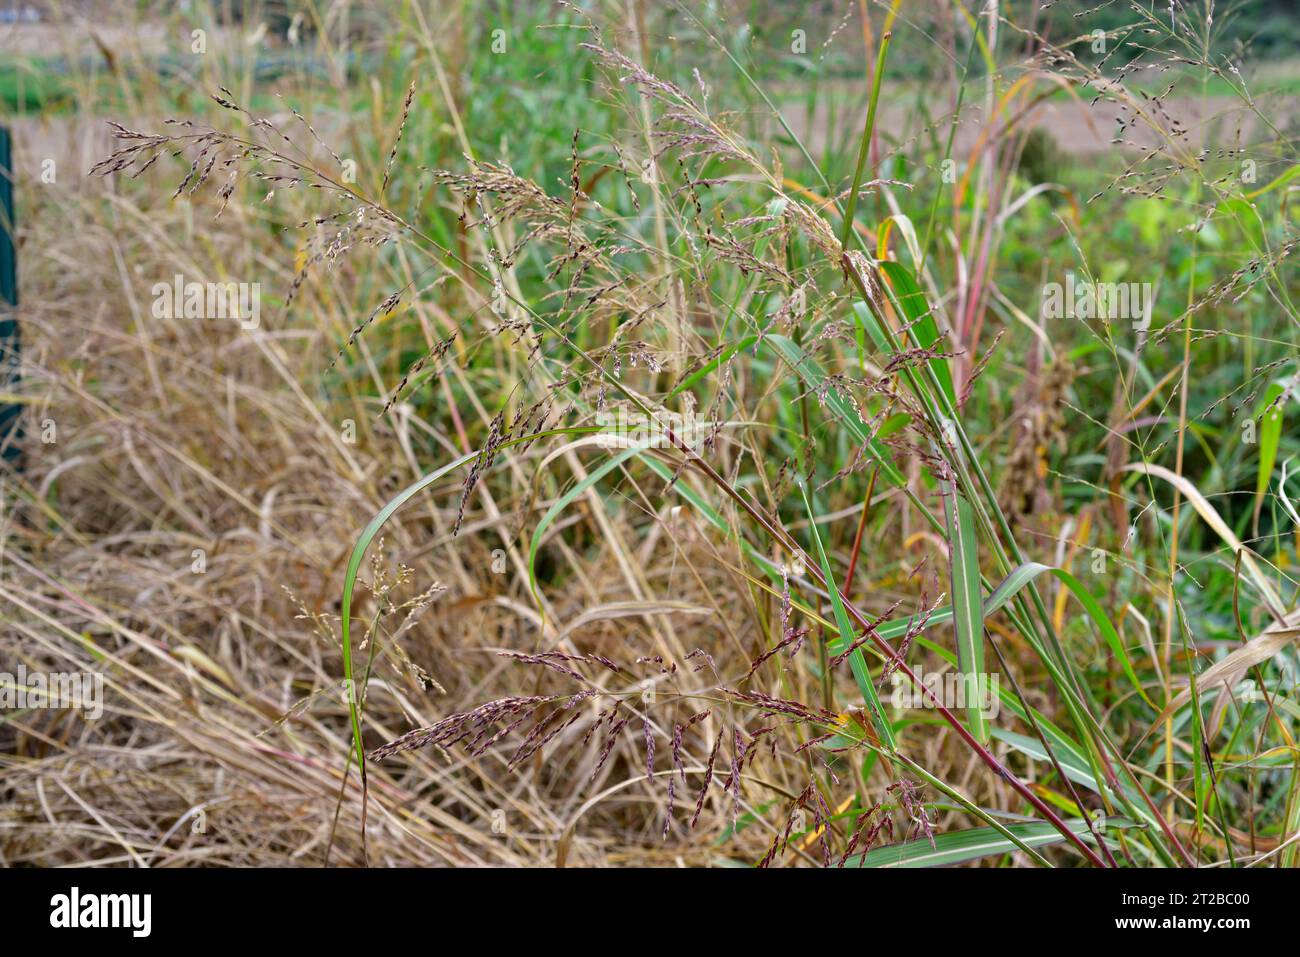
[
  {"x": 563, "y": 502},
  {"x": 1270, "y": 434},
  {"x": 958, "y": 847},
  {"x": 1024, "y": 574},
  {"x": 968, "y": 616},
  {"x": 811, "y": 373},
  {"x": 857, "y": 660},
  {"x": 1072, "y": 761},
  {"x": 350, "y": 580},
  {"x": 721, "y": 358},
  {"x": 1282, "y": 180},
  {"x": 894, "y": 423},
  {"x": 923, "y": 327},
  {"x": 359, "y": 553}
]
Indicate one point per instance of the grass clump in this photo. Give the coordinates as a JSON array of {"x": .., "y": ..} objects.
[{"x": 611, "y": 487}]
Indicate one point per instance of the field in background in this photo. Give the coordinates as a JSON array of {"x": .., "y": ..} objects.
[{"x": 482, "y": 232}]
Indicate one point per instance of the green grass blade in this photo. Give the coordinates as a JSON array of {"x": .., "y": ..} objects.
[
  {"x": 1270, "y": 434},
  {"x": 563, "y": 502},
  {"x": 959, "y": 847},
  {"x": 814, "y": 377},
  {"x": 968, "y": 615},
  {"x": 350, "y": 580},
  {"x": 857, "y": 660},
  {"x": 924, "y": 330},
  {"x": 1022, "y": 575}
]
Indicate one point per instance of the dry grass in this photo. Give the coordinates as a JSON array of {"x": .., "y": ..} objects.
[{"x": 660, "y": 697}]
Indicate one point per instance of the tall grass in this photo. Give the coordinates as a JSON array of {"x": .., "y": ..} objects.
[{"x": 450, "y": 619}]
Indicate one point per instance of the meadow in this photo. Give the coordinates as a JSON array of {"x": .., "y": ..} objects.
[{"x": 613, "y": 433}]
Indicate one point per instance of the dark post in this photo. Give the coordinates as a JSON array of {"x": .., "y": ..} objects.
[{"x": 10, "y": 343}]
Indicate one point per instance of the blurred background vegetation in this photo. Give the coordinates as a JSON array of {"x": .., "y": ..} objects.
[{"x": 178, "y": 437}]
